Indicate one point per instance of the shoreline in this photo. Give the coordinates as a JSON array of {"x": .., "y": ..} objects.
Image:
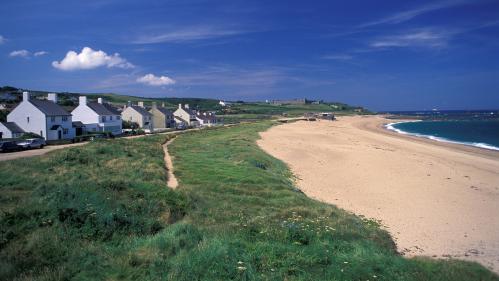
[
  {"x": 436, "y": 199},
  {"x": 390, "y": 126}
]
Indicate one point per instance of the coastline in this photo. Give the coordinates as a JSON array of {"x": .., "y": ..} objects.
[
  {"x": 391, "y": 126},
  {"x": 437, "y": 199}
]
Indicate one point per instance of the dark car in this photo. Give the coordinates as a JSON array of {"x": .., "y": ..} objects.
[{"x": 9, "y": 146}]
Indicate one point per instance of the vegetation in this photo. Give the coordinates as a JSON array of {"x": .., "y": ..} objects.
[{"x": 103, "y": 212}]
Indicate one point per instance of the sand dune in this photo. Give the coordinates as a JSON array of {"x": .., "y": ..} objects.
[{"x": 438, "y": 200}]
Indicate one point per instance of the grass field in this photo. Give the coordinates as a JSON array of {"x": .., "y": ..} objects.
[{"x": 103, "y": 212}]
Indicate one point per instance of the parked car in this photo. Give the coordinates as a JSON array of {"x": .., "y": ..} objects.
[
  {"x": 181, "y": 126},
  {"x": 8, "y": 146},
  {"x": 32, "y": 143}
]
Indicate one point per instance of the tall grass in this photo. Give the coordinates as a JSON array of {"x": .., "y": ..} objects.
[{"x": 103, "y": 212}]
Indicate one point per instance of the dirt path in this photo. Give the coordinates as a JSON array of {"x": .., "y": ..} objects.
[
  {"x": 36, "y": 152},
  {"x": 172, "y": 180}
]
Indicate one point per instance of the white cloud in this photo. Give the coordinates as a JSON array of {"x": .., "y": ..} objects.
[
  {"x": 410, "y": 14},
  {"x": 40, "y": 53},
  {"x": 338, "y": 57},
  {"x": 2, "y": 40},
  {"x": 20, "y": 53},
  {"x": 89, "y": 59},
  {"x": 421, "y": 38},
  {"x": 153, "y": 80},
  {"x": 186, "y": 34}
]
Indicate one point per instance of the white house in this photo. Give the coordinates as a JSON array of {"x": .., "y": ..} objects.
[
  {"x": 98, "y": 116},
  {"x": 206, "y": 118},
  {"x": 43, "y": 117},
  {"x": 186, "y": 116},
  {"x": 138, "y": 114},
  {"x": 9, "y": 130}
]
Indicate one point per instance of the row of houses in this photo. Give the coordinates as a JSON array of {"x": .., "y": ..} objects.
[{"x": 52, "y": 122}]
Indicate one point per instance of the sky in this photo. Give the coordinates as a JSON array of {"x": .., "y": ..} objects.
[{"x": 384, "y": 55}]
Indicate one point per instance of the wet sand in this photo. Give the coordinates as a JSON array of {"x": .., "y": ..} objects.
[{"x": 436, "y": 199}]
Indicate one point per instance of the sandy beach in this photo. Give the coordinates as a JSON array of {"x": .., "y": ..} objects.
[{"x": 436, "y": 199}]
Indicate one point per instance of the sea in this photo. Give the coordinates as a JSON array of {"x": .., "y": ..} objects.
[{"x": 479, "y": 128}]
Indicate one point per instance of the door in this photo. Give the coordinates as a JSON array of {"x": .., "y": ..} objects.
[{"x": 59, "y": 134}]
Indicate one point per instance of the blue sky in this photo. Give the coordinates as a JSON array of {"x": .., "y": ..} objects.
[{"x": 385, "y": 55}]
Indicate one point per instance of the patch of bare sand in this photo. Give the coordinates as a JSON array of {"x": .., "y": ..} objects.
[{"x": 438, "y": 200}]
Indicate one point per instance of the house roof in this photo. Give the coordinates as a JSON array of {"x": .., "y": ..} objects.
[
  {"x": 188, "y": 110},
  {"x": 103, "y": 108},
  {"x": 78, "y": 124},
  {"x": 207, "y": 117},
  {"x": 12, "y": 127},
  {"x": 49, "y": 108},
  {"x": 142, "y": 111},
  {"x": 55, "y": 127},
  {"x": 164, "y": 110}
]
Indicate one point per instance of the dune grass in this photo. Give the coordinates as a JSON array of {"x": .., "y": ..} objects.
[{"x": 103, "y": 212}]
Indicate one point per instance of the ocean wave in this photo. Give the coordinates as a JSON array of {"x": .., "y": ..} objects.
[{"x": 391, "y": 127}]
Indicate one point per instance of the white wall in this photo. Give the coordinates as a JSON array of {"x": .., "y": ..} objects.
[
  {"x": 37, "y": 123},
  {"x": 6, "y": 133},
  {"x": 85, "y": 115}
]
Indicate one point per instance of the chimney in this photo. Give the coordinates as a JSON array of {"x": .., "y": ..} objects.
[
  {"x": 154, "y": 105},
  {"x": 141, "y": 104},
  {"x": 179, "y": 106},
  {"x": 26, "y": 96},
  {"x": 99, "y": 100},
  {"x": 82, "y": 100},
  {"x": 128, "y": 104},
  {"x": 204, "y": 113},
  {"x": 52, "y": 97},
  {"x": 186, "y": 106},
  {"x": 163, "y": 104}
]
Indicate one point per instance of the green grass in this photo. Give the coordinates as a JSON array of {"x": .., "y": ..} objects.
[{"x": 102, "y": 212}]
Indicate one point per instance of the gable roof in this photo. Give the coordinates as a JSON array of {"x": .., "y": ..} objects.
[
  {"x": 188, "y": 110},
  {"x": 142, "y": 111},
  {"x": 206, "y": 117},
  {"x": 12, "y": 127},
  {"x": 164, "y": 110},
  {"x": 49, "y": 108},
  {"x": 103, "y": 108}
]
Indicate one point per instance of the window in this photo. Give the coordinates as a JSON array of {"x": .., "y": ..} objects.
[
  {"x": 65, "y": 131},
  {"x": 52, "y": 119},
  {"x": 64, "y": 118},
  {"x": 103, "y": 118},
  {"x": 41, "y": 133},
  {"x": 117, "y": 118},
  {"x": 27, "y": 119},
  {"x": 110, "y": 118}
]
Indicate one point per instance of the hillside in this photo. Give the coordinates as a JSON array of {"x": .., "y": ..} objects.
[
  {"x": 236, "y": 111},
  {"x": 235, "y": 216}
]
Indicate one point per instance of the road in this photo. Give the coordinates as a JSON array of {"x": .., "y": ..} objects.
[
  {"x": 36, "y": 152},
  {"x": 47, "y": 149}
]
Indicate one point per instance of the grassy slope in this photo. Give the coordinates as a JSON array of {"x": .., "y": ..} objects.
[{"x": 242, "y": 218}]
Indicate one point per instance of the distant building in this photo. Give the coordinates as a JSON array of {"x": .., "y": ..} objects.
[
  {"x": 162, "y": 117},
  {"x": 184, "y": 115},
  {"x": 292, "y": 101},
  {"x": 138, "y": 114},
  {"x": 43, "y": 117},
  {"x": 97, "y": 116},
  {"x": 10, "y": 130},
  {"x": 206, "y": 118}
]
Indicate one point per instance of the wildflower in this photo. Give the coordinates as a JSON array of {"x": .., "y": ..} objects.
[
  {"x": 240, "y": 262},
  {"x": 241, "y": 268}
]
